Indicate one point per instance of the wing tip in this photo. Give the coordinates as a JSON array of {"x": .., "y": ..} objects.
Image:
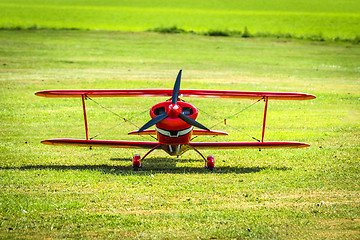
[
  {"x": 40, "y": 94},
  {"x": 310, "y": 96},
  {"x": 47, "y": 142}
]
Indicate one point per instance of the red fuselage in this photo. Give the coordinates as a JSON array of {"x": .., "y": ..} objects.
[{"x": 173, "y": 133}]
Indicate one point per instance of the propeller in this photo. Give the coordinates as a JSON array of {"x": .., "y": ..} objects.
[
  {"x": 153, "y": 121},
  {"x": 192, "y": 122},
  {"x": 176, "y": 90},
  {"x": 173, "y": 109}
]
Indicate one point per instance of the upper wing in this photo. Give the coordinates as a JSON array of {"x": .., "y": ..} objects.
[
  {"x": 168, "y": 92},
  {"x": 232, "y": 145},
  {"x": 101, "y": 143}
]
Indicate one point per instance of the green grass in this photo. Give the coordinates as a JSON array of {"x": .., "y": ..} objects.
[
  {"x": 305, "y": 19},
  {"x": 69, "y": 192}
]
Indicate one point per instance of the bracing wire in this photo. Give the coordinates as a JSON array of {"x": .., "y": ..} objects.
[
  {"x": 231, "y": 116},
  {"x": 126, "y": 120},
  {"x": 123, "y": 118},
  {"x": 235, "y": 114}
]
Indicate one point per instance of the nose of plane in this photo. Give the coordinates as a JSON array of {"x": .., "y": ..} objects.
[{"x": 174, "y": 110}]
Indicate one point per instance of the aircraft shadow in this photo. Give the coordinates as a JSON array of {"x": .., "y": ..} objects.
[
  {"x": 151, "y": 165},
  {"x": 159, "y": 160}
]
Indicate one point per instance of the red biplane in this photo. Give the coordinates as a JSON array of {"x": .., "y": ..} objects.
[{"x": 174, "y": 121}]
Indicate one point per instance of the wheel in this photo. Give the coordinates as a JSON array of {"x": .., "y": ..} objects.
[
  {"x": 210, "y": 164},
  {"x": 136, "y": 162}
]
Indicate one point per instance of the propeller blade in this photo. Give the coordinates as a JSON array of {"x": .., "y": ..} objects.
[
  {"x": 176, "y": 90},
  {"x": 192, "y": 122},
  {"x": 153, "y": 121}
]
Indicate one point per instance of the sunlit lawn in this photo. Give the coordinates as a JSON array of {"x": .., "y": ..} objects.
[{"x": 69, "y": 192}]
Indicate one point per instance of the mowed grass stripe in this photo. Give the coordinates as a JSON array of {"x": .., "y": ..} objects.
[
  {"x": 178, "y": 10},
  {"x": 299, "y": 22}
]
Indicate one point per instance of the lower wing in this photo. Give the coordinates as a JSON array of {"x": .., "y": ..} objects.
[
  {"x": 150, "y": 145},
  {"x": 101, "y": 143},
  {"x": 233, "y": 145}
]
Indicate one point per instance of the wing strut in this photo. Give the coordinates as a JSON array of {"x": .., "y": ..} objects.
[
  {"x": 264, "y": 120},
  {"x": 85, "y": 119}
]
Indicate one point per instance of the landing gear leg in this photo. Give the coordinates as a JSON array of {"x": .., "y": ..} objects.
[{"x": 209, "y": 161}]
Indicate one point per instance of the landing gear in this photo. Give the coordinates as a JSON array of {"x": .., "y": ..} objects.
[
  {"x": 210, "y": 160},
  {"x": 210, "y": 163},
  {"x": 136, "y": 162}
]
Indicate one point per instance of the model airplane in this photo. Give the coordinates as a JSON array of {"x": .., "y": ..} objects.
[{"x": 174, "y": 121}]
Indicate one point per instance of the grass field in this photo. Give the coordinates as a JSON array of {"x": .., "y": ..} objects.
[
  {"x": 308, "y": 19},
  {"x": 69, "y": 192}
]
